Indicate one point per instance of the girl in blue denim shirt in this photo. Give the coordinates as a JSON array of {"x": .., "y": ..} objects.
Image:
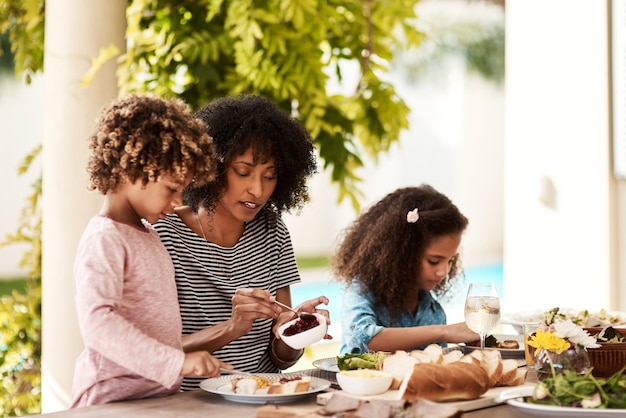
[{"x": 395, "y": 258}]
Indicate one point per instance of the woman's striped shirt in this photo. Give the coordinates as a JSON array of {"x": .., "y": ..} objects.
[{"x": 207, "y": 276}]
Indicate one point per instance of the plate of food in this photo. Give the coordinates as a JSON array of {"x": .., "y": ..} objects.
[
  {"x": 509, "y": 346},
  {"x": 327, "y": 364},
  {"x": 584, "y": 318},
  {"x": 517, "y": 398},
  {"x": 264, "y": 387}
]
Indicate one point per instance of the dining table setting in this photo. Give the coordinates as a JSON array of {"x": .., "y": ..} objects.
[
  {"x": 203, "y": 403},
  {"x": 512, "y": 371}
]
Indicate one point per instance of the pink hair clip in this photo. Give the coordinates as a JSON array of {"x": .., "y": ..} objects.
[{"x": 412, "y": 216}]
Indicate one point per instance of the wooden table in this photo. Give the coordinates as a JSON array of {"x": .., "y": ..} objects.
[{"x": 200, "y": 403}]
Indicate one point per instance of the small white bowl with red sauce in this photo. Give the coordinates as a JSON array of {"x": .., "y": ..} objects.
[{"x": 299, "y": 333}]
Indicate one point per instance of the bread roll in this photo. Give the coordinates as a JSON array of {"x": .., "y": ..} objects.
[
  {"x": 509, "y": 372},
  {"x": 288, "y": 386},
  {"x": 437, "y": 382},
  {"x": 399, "y": 364},
  {"x": 435, "y": 353},
  {"x": 489, "y": 360},
  {"x": 452, "y": 356}
]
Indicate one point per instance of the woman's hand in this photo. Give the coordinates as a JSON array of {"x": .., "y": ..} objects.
[
  {"x": 307, "y": 306},
  {"x": 248, "y": 305}
]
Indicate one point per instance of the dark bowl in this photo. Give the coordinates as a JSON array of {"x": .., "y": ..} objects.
[{"x": 609, "y": 358}]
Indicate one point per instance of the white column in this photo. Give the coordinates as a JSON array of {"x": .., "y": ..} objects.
[
  {"x": 76, "y": 30},
  {"x": 559, "y": 194}
]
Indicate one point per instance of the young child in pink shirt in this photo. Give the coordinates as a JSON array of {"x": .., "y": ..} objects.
[{"x": 144, "y": 151}]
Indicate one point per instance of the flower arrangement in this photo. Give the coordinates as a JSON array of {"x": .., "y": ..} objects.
[
  {"x": 561, "y": 336},
  {"x": 560, "y": 345}
]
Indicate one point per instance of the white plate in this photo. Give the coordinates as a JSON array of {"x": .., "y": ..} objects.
[
  {"x": 504, "y": 352},
  {"x": 597, "y": 318},
  {"x": 222, "y": 386},
  {"x": 328, "y": 364},
  {"x": 550, "y": 411}
]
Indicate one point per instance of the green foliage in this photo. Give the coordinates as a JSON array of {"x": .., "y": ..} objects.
[
  {"x": 20, "y": 352},
  {"x": 20, "y": 314},
  {"x": 474, "y": 31},
  {"x": 23, "y": 21},
  {"x": 284, "y": 49}
]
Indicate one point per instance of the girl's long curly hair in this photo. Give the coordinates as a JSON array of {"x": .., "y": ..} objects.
[
  {"x": 384, "y": 252},
  {"x": 239, "y": 123},
  {"x": 145, "y": 137}
]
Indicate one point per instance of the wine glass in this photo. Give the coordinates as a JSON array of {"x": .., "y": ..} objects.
[{"x": 482, "y": 309}]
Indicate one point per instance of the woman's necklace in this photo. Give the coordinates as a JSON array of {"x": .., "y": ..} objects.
[{"x": 228, "y": 276}]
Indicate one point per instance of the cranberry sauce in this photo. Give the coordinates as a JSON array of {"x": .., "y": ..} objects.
[{"x": 301, "y": 325}]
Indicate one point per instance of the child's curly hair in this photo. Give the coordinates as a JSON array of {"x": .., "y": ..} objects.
[
  {"x": 239, "y": 123},
  {"x": 145, "y": 137},
  {"x": 384, "y": 252}
]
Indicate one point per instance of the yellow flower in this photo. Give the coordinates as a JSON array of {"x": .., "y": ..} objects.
[{"x": 548, "y": 341}]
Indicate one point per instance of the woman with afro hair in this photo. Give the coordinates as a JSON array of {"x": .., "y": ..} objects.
[
  {"x": 393, "y": 258},
  {"x": 232, "y": 253}
]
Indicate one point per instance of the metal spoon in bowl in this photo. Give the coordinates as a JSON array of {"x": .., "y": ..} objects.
[{"x": 305, "y": 316}]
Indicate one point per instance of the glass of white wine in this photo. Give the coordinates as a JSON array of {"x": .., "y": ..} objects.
[{"x": 482, "y": 309}]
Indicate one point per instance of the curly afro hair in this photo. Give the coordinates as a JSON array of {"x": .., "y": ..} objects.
[
  {"x": 145, "y": 137},
  {"x": 237, "y": 124},
  {"x": 384, "y": 252}
]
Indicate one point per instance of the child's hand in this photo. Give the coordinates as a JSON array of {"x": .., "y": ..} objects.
[
  {"x": 202, "y": 364},
  {"x": 460, "y": 333}
]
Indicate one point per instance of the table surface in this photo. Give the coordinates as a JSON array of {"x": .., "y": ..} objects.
[{"x": 199, "y": 403}]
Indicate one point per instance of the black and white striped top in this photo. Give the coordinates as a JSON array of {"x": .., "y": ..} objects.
[{"x": 207, "y": 276}]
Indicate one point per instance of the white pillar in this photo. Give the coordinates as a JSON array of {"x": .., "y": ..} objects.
[
  {"x": 559, "y": 188},
  {"x": 76, "y": 30}
]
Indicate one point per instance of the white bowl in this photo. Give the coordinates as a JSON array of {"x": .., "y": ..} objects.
[
  {"x": 304, "y": 338},
  {"x": 364, "y": 381}
]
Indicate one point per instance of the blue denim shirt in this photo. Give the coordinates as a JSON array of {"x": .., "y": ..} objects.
[{"x": 360, "y": 322}]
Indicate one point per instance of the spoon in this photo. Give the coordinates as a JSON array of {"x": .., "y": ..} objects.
[{"x": 305, "y": 316}]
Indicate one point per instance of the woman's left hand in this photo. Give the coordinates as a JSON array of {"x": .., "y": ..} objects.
[{"x": 307, "y": 306}]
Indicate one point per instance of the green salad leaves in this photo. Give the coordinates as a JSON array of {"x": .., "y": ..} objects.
[
  {"x": 360, "y": 361},
  {"x": 585, "y": 391}
]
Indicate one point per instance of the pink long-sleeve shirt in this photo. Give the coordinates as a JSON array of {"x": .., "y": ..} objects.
[{"x": 128, "y": 315}]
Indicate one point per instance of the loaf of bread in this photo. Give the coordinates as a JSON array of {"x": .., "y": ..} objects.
[
  {"x": 400, "y": 362},
  {"x": 444, "y": 382},
  {"x": 501, "y": 372},
  {"x": 428, "y": 367}
]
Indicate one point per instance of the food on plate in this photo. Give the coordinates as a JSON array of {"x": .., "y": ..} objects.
[
  {"x": 297, "y": 384},
  {"x": 449, "y": 382},
  {"x": 250, "y": 385},
  {"x": 500, "y": 372},
  {"x": 509, "y": 345},
  {"x": 574, "y": 390},
  {"x": 301, "y": 325},
  {"x": 258, "y": 385},
  {"x": 360, "y": 361},
  {"x": 492, "y": 342},
  {"x": 584, "y": 318}
]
